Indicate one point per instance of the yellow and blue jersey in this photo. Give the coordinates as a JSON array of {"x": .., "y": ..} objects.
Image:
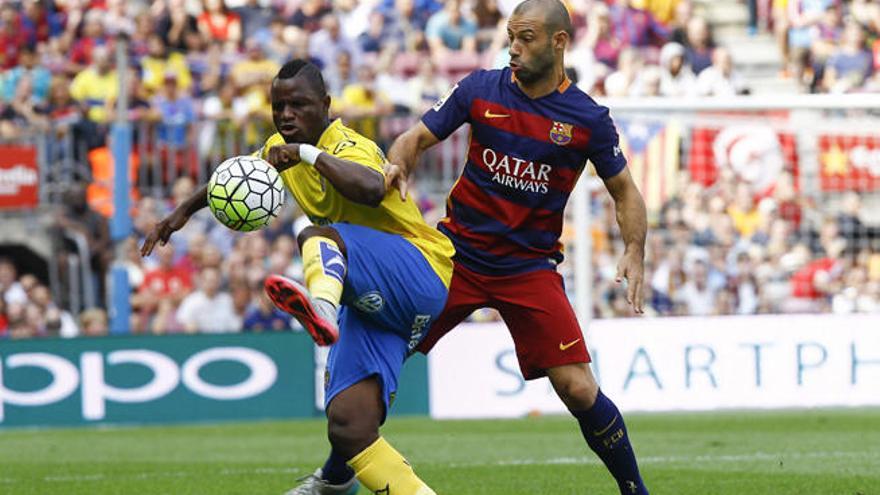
[{"x": 323, "y": 204}]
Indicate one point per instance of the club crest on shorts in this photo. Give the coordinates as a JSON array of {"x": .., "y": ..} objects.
[
  {"x": 560, "y": 133},
  {"x": 371, "y": 302}
]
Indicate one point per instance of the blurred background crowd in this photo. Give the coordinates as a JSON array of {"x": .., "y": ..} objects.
[{"x": 198, "y": 74}]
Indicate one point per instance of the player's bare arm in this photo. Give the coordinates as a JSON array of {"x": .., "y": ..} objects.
[
  {"x": 404, "y": 156},
  {"x": 162, "y": 231},
  {"x": 632, "y": 219},
  {"x": 356, "y": 182}
]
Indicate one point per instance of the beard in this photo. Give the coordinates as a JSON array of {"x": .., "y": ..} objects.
[{"x": 540, "y": 67}]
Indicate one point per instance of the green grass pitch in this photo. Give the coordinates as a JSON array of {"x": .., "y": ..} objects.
[{"x": 824, "y": 452}]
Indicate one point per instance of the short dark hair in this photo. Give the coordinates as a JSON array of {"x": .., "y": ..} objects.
[
  {"x": 305, "y": 69},
  {"x": 556, "y": 17}
]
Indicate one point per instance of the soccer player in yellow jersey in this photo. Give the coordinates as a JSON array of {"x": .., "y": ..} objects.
[{"x": 376, "y": 277}]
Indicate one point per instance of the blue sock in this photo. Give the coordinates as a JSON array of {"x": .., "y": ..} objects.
[
  {"x": 603, "y": 428},
  {"x": 336, "y": 471}
]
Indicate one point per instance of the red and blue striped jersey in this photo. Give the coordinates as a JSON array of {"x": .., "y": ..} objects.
[{"x": 505, "y": 212}]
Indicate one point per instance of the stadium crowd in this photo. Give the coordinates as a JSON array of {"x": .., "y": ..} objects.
[{"x": 713, "y": 250}]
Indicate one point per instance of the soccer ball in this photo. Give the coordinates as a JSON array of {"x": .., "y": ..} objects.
[{"x": 245, "y": 193}]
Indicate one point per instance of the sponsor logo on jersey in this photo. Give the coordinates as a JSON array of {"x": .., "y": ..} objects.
[
  {"x": 490, "y": 115},
  {"x": 371, "y": 302},
  {"x": 560, "y": 133},
  {"x": 517, "y": 173}
]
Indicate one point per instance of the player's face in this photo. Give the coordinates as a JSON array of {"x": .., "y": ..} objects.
[
  {"x": 531, "y": 49},
  {"x": 299, "y": 112}
]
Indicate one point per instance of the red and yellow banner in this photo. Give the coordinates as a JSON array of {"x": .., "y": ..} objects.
[{"x": 849, "y": 163}]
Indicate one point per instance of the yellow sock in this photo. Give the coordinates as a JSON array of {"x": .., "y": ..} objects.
[
  {"x": 382, "y": 469},
  {"x": 324, "y": 268}
]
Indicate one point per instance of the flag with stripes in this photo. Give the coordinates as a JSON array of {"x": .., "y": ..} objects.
[{"x": 652, "y": 152}]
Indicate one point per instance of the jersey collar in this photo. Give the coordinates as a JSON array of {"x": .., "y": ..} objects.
[{"x": 562, "y": 86}]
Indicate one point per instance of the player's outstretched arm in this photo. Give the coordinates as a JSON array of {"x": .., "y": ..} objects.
[
  {"x": 632, "y": 219},
  {"x": 404, "y": 156},
  {"x": 354, "y": 181},
  {"x": 162, "y": 231}
]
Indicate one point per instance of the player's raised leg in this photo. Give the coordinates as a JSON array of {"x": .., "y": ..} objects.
[{"x": 324, "y": 269}]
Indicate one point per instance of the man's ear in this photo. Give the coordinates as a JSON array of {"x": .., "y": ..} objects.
[
  {"x": 561, "y": 39},
  {"x": 327, "y": 102}
]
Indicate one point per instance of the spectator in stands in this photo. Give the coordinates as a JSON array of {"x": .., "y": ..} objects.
[
  {"x": 813, "y": 284},
  {"x": 636, "y": 27},
  {"x": 374, "y": 39},
  {"x": 38, "y": 23},
  {"x": 677, "y": 78},
  {"x": 76, "y": 216},
  {"x": 218, "y": 23},
  {"x": 697, "y": 296},
  {"x": 19, "y": 115},
  {"x": 264, "y": 316},
  {"x": 698, "y": 44},
  {"x": 662, "y": 10},
  {"x": 361, "y": 104},
  {"x": 721, "y": 79},
  {"x": 276, "y": 45},
  {"x": 82, "y": 52},
  {"x": 10, "y": 289},
  {"x": 326, "y": 43},
  {"x": 209, "y": 309},
  {"x": 178, "y": 27},
  {"x": 825, "y": 40},
  {"x": 12, "y": 37},
  {"x": 803, "y": 16},
  {"x": 173, "y": 111},
  {"x": 620, "y": 82},
  {"x": 225, "y": 113},
  {"x": 340, "y": 75},
  {"x": 744, "y": 212},
  {"x": 309, "y": 14},
  {"x": 94, "y": 86},
  {"x": 159, "y": 62},
  {"x": 600, "y": 38},
  {"x": 255, "y": 20},
  {"x": 167, "y": 282},
  {"x": 94, "y": 322},
  {"x": 40, "y": 77},
  {"x": 255, "y": 72},
  {"x": 451, "y": 36},
  {"x": 118, "y": 18},
  {"x": 851, "y": 65},
  {"x": 426, "y": 88}
]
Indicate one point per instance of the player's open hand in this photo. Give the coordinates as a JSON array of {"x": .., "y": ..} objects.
[
  {"x": 632, "y": 268},
  {"x": 283, "y": 156},
  {"x": 162, "y": 231},
  {"x": 396, "y": 176}
]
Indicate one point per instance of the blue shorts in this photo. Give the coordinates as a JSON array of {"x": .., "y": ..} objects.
[{"x": 390, "y": 297}]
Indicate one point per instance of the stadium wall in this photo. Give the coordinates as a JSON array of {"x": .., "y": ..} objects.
[
  {"x": 172, "y": 378},
  {"x": 659, "y": 364},
  {"x": 672, "y": 364}
]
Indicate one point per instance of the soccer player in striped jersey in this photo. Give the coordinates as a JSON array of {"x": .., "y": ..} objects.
[{"x": 532, "y": 133}]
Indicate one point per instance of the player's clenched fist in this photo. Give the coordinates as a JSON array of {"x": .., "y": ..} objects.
[{"x": 283, "y": 156}]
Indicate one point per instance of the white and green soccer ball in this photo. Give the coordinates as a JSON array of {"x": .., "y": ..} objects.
[{"x": 245, "y": 193}]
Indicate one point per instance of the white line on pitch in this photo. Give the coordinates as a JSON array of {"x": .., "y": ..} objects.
[{"x": 757, "y": 456}]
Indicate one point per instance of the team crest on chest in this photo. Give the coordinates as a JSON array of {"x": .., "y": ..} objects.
[{"x": 560, "y": 133}]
